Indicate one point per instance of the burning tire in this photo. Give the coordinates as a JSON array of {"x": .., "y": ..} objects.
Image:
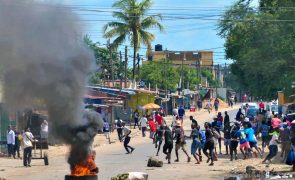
[{"x": 46, "y": 161}]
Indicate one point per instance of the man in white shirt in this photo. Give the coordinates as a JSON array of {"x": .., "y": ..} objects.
[
  {"x": 44, "y": 130},
  {"x": 28, "y": 139},
  {"x": 143, "y": 124},
  {"x": 127, "y": 139},
  {"x": 10, "y": 137}
]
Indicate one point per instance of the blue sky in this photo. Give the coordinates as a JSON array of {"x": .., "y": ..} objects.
[{"x": 180, "y": 34}]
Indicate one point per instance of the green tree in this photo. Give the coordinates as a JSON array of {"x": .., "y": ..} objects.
[
  {"x": 261, "y": 43},
  {"x": 103, "y": 69},
  {"x": 210, "y": 78},
  {"x": 190, "y": 77},
  {"x": 161, "y": 74},
  {"x": 133, "y": 22}
]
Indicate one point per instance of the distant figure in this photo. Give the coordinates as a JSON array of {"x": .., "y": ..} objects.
[
  {"x": 44, "y": 130},
  {"x": 231, "y": 101},
  {"x": 238, "y": 115},
  {"x": 17, "y": 143},
  {"x": 136, "y": 118},
  {"x": 209, "y": 106},
  {"x": 181, "y": 113},
  {"x": 10, "y": 137},
  {"x": 236, "y": 99},
  {"x": 261, "y": 106},
  {"x": 106, "y": 130},
  {"x": 199, "y": 103},
  {"x": 245, "y": 98},
  {"x": 216, "y": 104},
  {"x": 119, "y": 127},
  {"x": 28, "y": 140},
  {"x": 226, "y": 118},
  {"x": 143, "y": 125}
]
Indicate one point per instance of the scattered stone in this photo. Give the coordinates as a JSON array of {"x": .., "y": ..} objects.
[
  {"x": 137, "y": 176},
  {"x": 152, "y": 162},
  {"x": 121, "y": 177},
  {"x": 131, "y": 176}
]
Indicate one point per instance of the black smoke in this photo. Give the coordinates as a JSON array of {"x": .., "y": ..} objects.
[{"x": 43, "y": 59}]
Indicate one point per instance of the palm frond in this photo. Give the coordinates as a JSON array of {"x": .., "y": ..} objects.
[
  {"x": 145, "y": 5},
  {"x": 151, "y": 21},
  {"x": 121, "y": 16},
  {"x": 118, "y": 41},
  {"x": 116, "y": 28},
  {"x": 146, "y": 37}
]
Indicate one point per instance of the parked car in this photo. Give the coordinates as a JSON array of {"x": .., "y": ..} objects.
[
  {"x": 252, "y": 105},
  {"x": 251, "y": 113}
]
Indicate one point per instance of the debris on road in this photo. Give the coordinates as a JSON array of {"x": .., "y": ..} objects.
[{"x": 152, "y": 162}]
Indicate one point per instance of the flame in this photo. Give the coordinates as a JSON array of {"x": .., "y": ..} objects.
[{"x": 85, "y": 168}]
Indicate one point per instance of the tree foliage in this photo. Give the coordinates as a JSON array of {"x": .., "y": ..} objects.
[
  {"x": 210, "y": 78},
  {"x": 261, "y": 43},
  {"x": 161, "y": 74},
  {"x": 133, "y": 22},
  {"x": 103, "y": 65}
]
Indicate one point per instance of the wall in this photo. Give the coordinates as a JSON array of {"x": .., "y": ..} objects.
[
  {"x": 222, "y": 93},
  {"x": 140, "y": 99}
]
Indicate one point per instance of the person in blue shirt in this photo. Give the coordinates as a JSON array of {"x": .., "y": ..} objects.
[
  {"x": 244, "y": 144},
  {"x": 217, "y": 125},
  {"x": 203, "y": 141},
  {"x": 264, "y": 130},
  {"x": 250, "y": 135},
  {"x": 181, "y": 112}
]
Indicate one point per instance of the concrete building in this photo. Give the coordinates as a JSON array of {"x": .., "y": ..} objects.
[{"x": 196, "y": 59}]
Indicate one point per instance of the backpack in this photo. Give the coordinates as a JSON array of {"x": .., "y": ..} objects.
[{"x": 119, "y": 123}]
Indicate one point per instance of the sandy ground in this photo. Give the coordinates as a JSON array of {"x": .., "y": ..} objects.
[{"x": 111, "y": 159}]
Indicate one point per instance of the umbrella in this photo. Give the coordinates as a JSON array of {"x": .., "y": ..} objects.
[{"x": 151, "y": 106}]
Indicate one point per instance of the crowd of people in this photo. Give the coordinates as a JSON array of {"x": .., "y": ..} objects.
[
  {"x": 17, "y": 141},
  {"x": 241, "y": 135}
]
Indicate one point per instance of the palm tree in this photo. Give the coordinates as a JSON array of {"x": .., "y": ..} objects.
[{"x": 132, "y": 23}]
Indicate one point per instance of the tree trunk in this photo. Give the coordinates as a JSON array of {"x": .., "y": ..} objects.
[{"x": 134, "y": 53}]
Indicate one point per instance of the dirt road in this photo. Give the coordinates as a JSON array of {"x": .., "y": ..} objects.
[{"x": 111, "y": 160}]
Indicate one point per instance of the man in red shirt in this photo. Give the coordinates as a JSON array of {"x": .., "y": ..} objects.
[
  {"x": 261, "y": 105},
  {"x": 152, "y": 126},
  {"x": 159, "y": 119}
]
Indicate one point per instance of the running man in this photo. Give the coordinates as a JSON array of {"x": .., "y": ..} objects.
[
  {"x": 127, "y": 139},
  {"x": 180, "y": 141},
  {"x": 168, "y": 143},
  {"x": 196, "y": 143},
  {"x": 159, "y": 138}
]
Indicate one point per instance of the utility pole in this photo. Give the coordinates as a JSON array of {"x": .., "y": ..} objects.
[
  {"x": 138, "y": 68},
  {"x": 111, "y": 61},
  {"x": 182, "y": 78},
  {"x": 126, "y": 64},
  {"x": 120, "y": 70}
]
